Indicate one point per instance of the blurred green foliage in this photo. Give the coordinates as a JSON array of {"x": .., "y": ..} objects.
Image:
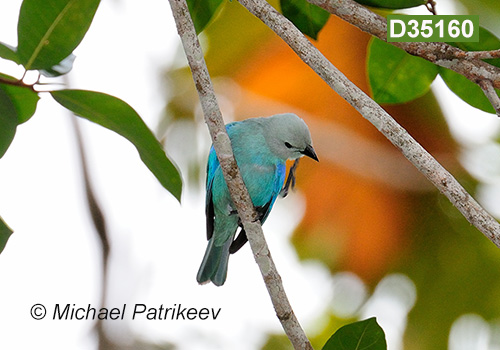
[
  {"x": 390, "y": 68},
  {"x": 202, "y": 12},
  {"x": 310, "y": 19},
  {"x": 456, "y": 271}
]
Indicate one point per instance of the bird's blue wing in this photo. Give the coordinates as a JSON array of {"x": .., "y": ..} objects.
[
  {"x": 262, "y": 211},
  {"x": 212, "y": 166}
]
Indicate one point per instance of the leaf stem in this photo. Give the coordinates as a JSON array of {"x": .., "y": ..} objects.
[{"x": 19, "y": 83}]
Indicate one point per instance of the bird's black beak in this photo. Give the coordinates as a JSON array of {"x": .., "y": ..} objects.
[{"x": 309, "y": 151}]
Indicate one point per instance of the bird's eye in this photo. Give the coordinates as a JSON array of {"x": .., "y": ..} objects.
[{"x": 288, "y": 145}]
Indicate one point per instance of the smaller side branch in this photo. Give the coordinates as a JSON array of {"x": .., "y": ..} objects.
[
  {"x": 431, "y": 6},
  {"x": 479, "y": 55},
  {"x": 491, "y": 93},
  {"x": 237, "y": 189},
  {"x": 99, "y": 222}
]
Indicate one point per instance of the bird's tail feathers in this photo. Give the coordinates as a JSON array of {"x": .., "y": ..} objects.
[{"x": 214, "y": 265}]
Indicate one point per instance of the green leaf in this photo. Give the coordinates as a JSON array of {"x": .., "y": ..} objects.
[
  {"x": 466, "y": 90},
  {"x": 395, "y": 76},
  {"x": 17, "y": 105},
  {"x": 48, "y": 31},
  {"x": 23, "y": 98},
  {"x": 9, "y": 53},
  {"x": 116, "y": 115},
  {"x": 463, "y": 87},
  {"x": 392, "y": 4},
  {"x": 362, "y": 335},
  {"x": 202, "y": 12},
  {"x": 308, "y": 18},
  {"x": 8, "y": 121},
  {"x": 5, "y": 232}
]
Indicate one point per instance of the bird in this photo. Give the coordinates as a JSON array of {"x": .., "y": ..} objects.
[{"x": 261, "y": 147}]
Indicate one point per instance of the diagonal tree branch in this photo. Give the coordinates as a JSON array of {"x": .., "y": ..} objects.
[
  {"x": 371, "y": 111},
  {"x": 239, "y": 192}
]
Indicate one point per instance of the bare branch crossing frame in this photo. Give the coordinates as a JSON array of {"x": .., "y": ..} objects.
[{"x": 239, "y": 193}]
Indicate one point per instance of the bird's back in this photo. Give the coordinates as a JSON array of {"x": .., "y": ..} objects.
[{"x": 260, "y": 168}]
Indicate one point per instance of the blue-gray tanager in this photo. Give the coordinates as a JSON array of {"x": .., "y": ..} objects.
[{"x": 261, "y": 147}]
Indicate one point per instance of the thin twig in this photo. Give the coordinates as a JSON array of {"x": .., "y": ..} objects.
[
  {"x": 239, "y": 193},
  {"x": 99, "y": 223},
  {"x": 491, "y": 93},
  {"x": 431, "y": 6},
  {"x": 100, "y": 227},
  {"x": 480, "y": 55},
  {"x": 371, "y": 111}
]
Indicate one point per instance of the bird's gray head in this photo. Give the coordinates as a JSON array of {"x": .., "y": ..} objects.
[{"x": 288, "y": 136}]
